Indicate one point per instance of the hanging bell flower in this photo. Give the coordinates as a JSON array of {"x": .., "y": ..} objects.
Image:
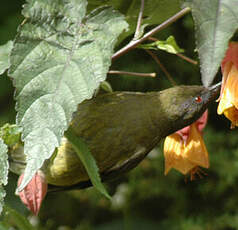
[
  {"x": 228, "y": 100},
  {"x": 34, "y": 193},
  {"x": 185, "y": 150}
]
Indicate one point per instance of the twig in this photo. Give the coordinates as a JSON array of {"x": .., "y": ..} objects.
[
  {"x": 139, "y": 20},
  {"x": 132, "y": 73},
  {"x": 162, "y": 67},
  {"x": 187, "y": 58},
  {"x": 153, "y": 39},
  {"x": 163, "y": 25}
]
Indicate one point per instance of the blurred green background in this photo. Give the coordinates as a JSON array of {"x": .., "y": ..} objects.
[{"x": 144, "y": 198}]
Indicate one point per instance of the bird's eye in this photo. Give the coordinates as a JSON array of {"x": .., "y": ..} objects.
[{"x": 198, "y": 99}]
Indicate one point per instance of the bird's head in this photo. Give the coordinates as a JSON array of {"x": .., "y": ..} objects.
[{"x": 185, "y": 104}]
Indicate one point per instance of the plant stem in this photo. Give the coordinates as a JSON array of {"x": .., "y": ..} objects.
[
  {"x": 190, "y": 60},
  {"x": 139, "y": 20},
  {"x": 163, "y": 25},
  {"x": 162, "y": 67},
  {"x": 132, "y": 73}
]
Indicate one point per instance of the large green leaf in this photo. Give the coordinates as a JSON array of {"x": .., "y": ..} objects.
[
  {"x": 59, "y": 58},
  {"x": 88, "y": 161},
  {"x": 215, "y": 23},
  {"x": 4, "y": 56},
  {"x": 3, "y": 172},
  {"x": 155, "y": 11}
]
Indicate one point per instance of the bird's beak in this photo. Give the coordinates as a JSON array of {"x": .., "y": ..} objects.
[
  {"x": 215, "y": 88},
  {"x": 211, "y": 93}
]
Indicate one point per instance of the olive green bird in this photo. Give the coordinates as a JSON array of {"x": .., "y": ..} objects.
[{"x": 120, "y": 129}]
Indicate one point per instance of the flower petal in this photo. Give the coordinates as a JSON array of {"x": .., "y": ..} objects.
[
  {"x": 225, "y": 72},
  {"x": 231, "y": 55},
  {"x": 195, "y": 150},
  {"x": 184, "y": 132},
  {"x": 34, "y": 193},
  {"x": 173, "y": 153},
  {"x": 232, "y": 115},
  {"x": 229, "y": 97},
  {"x": 233, "y": 85},
  {"x": 200, "y": 123},
  {"x": 225, "y": 102}
]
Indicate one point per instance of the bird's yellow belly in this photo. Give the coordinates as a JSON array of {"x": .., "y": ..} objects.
[{"x": 64, "y": 169}]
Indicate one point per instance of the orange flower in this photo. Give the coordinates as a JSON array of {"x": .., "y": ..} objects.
[
  {"x": 185, "y": 150},
  {"x": 228, "y": 101}
]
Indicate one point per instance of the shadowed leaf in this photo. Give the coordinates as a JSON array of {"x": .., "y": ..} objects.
[{"x": 215, "y": 23}]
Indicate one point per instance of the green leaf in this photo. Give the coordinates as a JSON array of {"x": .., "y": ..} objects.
[
  {"x": 155, "y": 11},
  {"x": 11, "y": 215},
  {"x": 11, "y": 134},
  {"x": 3, "y": 172},
  {"x": 169, "y": 46},
  {"x": 106, "y": 87},
  {"x": 4, "y": 56},
  {"x": 215, "y": 23},
  {"x": 58, "y": 60},
  {"x": 87, "y": 159}
]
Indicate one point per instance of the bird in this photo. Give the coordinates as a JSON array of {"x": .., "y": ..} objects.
[{"x": 120, "y": 129}]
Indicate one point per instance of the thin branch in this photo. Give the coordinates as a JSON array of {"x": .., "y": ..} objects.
[
  {"x": 132, "y": 73},
  {"x": 153, "y": 39},
  {"x": 163, "y": 25},
  {"x": 187, "y": 58},
  {"x": 162, "y": 67},
  {"x": 139, "y": 20}
]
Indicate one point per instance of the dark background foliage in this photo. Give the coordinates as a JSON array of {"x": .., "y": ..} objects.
[{"x": 144, "y": 198}]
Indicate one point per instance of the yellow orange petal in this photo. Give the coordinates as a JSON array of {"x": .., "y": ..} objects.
[
  {"x": 184, "y": 166},
  {"x": 229, "y": 97},
  {"x": 173, "y": 153},
  {"x": 195, "y": 150},
  {"x": 225, "y": 102},
  {"x": 232, "y": 115},
  {"x": 233, "y": 85},
  {"x": 226, "y": 70}
]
